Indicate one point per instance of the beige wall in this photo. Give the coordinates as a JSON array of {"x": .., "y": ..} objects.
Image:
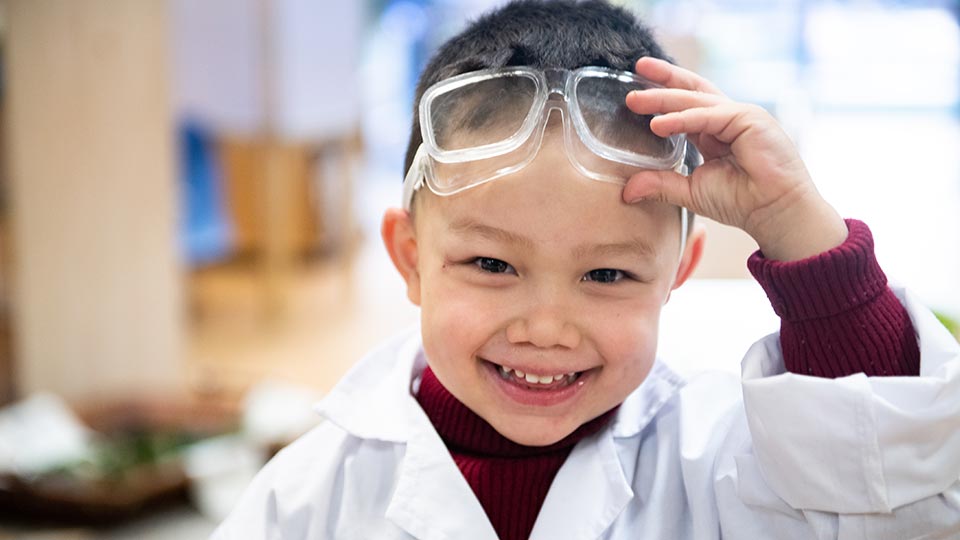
[
  {"x": 726, "y": 252},
  {"x": 97, "y": 283}
]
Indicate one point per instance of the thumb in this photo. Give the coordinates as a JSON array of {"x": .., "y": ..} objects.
[{"x": 662, "y": 186}]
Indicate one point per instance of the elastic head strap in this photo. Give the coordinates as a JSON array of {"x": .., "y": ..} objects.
[{"x": 414, "y": 178}]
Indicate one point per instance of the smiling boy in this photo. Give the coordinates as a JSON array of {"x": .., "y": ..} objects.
[
  {"x": 568, "y": 288},
  {"x": 550, "y": 180}
]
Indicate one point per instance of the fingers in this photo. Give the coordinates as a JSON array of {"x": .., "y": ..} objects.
[
  {"x": 662, "y": 186},
  {"x": 671, "y": 76},
  {"x": 665, "y": 100},
  {"x": 726, "y": 122}
]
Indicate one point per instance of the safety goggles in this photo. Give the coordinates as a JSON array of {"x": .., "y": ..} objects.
[{"x": 481, "y": 126}]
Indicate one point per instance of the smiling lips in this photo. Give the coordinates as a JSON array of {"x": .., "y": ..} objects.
[{"x": 546, "y": 390}]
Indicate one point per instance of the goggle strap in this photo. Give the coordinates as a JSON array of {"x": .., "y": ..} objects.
[{"x": 414, "y": 178}]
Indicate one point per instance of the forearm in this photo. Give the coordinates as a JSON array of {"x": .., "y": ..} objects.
[{"x": 838, "y": 316}]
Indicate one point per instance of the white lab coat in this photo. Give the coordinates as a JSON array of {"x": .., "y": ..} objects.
[{"x": 776, "y": 455}]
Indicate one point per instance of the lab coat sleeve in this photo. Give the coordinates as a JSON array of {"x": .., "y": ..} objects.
[{"x": 862, "y": 457}]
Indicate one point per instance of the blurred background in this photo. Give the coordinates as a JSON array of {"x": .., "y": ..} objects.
[{"x": 190, "y": 196}]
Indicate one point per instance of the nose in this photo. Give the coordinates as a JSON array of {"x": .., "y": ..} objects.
[{"x": 544, "y": 327}]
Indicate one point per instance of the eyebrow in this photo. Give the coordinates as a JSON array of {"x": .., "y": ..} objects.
[
  {"x": 635, "y": 247},
  {"x": 469, "y": 226}
]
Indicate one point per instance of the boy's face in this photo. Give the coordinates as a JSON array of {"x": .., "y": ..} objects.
[{"x": 543, "y": 272}]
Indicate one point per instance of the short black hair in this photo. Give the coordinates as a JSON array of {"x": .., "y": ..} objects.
[{"x": 564, "y": 34}]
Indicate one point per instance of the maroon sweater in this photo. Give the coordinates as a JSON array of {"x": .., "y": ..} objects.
[{"x": 837, "y": 315}]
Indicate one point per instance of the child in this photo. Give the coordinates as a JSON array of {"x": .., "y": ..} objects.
[{"x": 560, "y": 155}]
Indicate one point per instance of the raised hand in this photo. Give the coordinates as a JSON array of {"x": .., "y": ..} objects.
[{"x": 752, "y": 177}]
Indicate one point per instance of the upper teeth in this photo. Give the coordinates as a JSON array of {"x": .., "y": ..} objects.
[{"x": 536, "y": 379}]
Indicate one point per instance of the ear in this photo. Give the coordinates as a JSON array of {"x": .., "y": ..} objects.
[
  {"x": 691, "y": 256},
  {"x": 400, "y": 238}
]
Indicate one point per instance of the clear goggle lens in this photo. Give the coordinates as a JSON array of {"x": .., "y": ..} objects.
[
  {"x": 483, "y": 113},
  {"x": 602, "y": 104}
]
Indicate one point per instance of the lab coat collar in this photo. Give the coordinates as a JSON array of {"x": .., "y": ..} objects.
[
  {"x": 381, "y": 382},
  {"x": 661, "y": 384},
  {"x": 432, "y": 499},
  {"x": 588, "y": 493}
]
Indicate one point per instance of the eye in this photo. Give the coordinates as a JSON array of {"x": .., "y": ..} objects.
[
  {"x": 492, "y": 266},
  {"x": 604, "y": 275}
]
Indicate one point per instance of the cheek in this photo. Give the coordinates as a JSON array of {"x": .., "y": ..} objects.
[
  {"x": 455, "y": 320},
  {"x": 628, "y": 341}
]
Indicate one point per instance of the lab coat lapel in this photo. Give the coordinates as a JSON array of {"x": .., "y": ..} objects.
[
  {"x": 592, "y": 489},
  {"x": 588, "y": 493},
  {"x": 432, "y": 499}
]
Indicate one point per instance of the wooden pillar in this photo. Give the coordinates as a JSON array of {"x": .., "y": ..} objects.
[{"x": 93, "y": 198}]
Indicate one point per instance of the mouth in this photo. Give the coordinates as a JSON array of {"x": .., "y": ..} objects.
[
  {"x": 537, "y": 382},
  {"x": 540, "y": 389}
]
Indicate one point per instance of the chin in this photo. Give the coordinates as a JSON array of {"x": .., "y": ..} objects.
[{"x": 536, "y": 432}]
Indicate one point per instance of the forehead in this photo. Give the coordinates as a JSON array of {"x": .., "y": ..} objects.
[{"x": 550, "y": 203}]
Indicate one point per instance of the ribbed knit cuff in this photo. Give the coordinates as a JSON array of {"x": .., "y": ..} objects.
[
  {"x": 837, "y": 315},
  {"x": 826, "y": 284}
]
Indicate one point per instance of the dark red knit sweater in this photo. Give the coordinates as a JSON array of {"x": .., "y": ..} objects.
[{"x": 838, "y": 317}]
